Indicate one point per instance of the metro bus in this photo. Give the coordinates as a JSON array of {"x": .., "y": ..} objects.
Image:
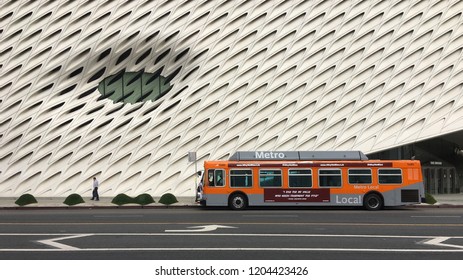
[{"x": 329, "y": 178}]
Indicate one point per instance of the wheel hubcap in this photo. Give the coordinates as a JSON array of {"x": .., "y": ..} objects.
[
  {"x": 373, "y": 202},
  {"x": 237, "y": 202}
]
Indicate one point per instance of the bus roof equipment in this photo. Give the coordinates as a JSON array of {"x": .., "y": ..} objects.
[{"x": 295, "y": 155}]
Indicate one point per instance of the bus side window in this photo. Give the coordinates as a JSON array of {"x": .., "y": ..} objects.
[
  {"x": 330, "y": 178},
  {"x": 390, "y": 176},
  {"x": 240, "y": 178},
  {"x": 210, "y": 177},
  {"x": 360, "y": 176}
]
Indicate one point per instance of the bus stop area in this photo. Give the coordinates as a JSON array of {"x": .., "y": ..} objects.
[{"x": 443, "y": 200}]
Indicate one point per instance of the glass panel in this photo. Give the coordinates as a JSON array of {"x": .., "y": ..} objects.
[
  {"x": 300, "y": 178},
  {"x": 390, "y": 176},
  {"x": 210, "y": 177},
  {"x": 326, "y": 172},
  {"x": 270, "y": 178},
  {"x": 360, "y": 176},
  {"x": 453, "y": 188},
  {"x": 390, "y": 171},
  {"x": 134, "y": 87},
  {"x": 241, "y": 178},
  {"x": 219, "y": 178},
  {"x": 432, "y": 180},
  {"x": 330, "y": 178}
]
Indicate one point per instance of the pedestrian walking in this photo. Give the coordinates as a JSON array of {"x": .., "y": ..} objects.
[{"x": 95, "y": 195}]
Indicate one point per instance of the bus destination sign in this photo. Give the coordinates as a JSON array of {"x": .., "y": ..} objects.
[{"x": 297, "y": 195}]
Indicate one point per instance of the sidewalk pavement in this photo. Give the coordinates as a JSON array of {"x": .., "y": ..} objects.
[
  {"x": 449, "y": 199},
  {"x": 104, "y": 202},
  {"x": 443, "y": 201}
]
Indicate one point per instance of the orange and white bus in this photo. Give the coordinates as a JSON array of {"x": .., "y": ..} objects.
[{"x": 330, "y": 178}]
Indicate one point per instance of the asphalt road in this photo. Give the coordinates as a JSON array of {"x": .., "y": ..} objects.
[{"x": 193, "y": 233}]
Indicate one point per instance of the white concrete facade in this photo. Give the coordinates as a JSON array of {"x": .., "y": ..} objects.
[{"x": 252, "y": 75}]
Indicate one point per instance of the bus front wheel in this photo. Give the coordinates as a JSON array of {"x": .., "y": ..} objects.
[
  {"x": 238, "y": 201},
  {"x": 373, "y": 202}
]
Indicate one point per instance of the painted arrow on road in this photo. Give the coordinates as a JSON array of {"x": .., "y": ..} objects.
[
  {"x": 204, "y": 228},
  {"x": 52, "y": 242},
  {"x": 439, "y": 241}
]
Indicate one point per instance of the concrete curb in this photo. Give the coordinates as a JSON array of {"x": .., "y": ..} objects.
[
  {"x": 435, "y": 206},
  {"x": 184, "y": 206}
]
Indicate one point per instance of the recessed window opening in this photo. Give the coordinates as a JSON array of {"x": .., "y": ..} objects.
[{"x": 134, "y": 87}]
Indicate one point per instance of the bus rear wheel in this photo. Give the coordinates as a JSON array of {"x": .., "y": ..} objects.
[
  {"x": 238, "y": 201},
  {"x": 373, "y": 202}
]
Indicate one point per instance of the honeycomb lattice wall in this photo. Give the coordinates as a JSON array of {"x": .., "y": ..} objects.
[{"x": 246, "y": 75}]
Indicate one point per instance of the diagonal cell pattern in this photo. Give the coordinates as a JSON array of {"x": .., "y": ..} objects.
[{"x": 244, "y": 75}]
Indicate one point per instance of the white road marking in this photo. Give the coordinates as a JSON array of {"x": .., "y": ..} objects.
[
  {"x": 438, "y": 242},
  {"x": 75, "y": 235},
  {"x": 52, "y": 242},
  {"x": 204, "y": 228},
  {"x": 271, "y": 216},
  {"x": 436, "y": 216},
  {"x": 431, "y": 240},
  {"x": 242, "y": 249}
]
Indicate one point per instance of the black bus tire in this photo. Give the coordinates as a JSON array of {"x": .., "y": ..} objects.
[
  {"x": 238, "y": 201},
  {"x": 373, "y": 202}
]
